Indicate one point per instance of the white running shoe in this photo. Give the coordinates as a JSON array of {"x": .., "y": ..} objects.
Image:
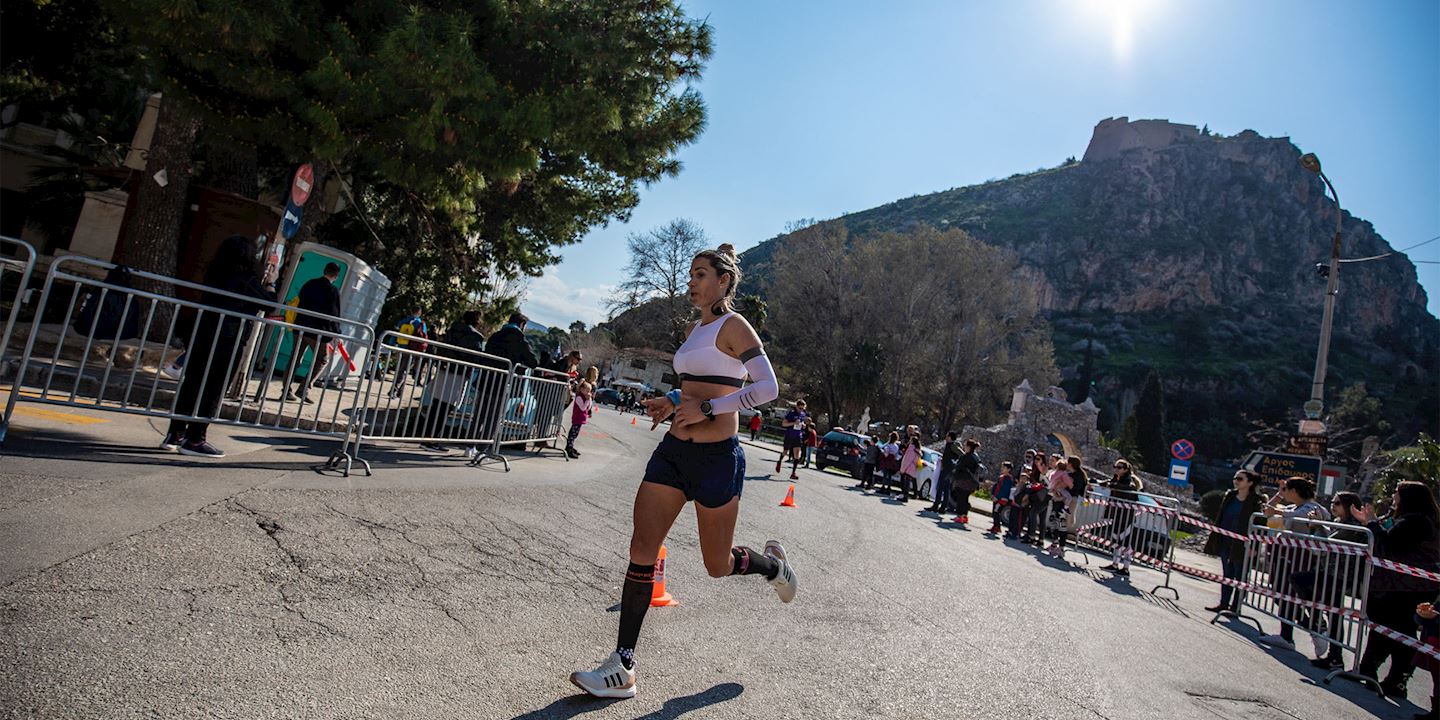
[
  {"x": 611, "y": 680},
  {"x": 1275, "y": 641},
  {"x": 785, "y": 582}
]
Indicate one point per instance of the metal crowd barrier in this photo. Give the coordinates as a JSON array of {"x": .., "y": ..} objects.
[
  {"x": 117, "y": 346},
  {"x": 1143, "y": 531},
  {"x": 15, "y": 268},
  {"x": 448, "y": 394},
  {"x": 534, "y": 410},
  {"x": 1310, "y": 578}
]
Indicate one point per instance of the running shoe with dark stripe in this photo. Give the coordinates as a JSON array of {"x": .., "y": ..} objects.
[
  {"x": 611, "y": 680},
  {"x": 785, "y": 582}
]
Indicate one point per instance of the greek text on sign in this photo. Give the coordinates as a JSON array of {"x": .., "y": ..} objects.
[
  {"x": 1182, "y": 449},
  {"x": 1273, "y": 468}
]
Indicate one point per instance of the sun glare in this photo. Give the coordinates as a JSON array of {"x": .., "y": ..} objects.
[{"x": 1121, "y": 19}]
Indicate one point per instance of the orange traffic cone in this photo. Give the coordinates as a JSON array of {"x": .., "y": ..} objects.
[
  {"x": 658, "y": 596},
  {"x": 632, "y": 421},
  {"x": 789, "y": 500}
]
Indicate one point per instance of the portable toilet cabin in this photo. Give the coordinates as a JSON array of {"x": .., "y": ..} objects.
[{"x": 362, "y": 293}]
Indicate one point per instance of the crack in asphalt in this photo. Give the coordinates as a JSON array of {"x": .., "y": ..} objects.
[{"x": 273, "y": 529}]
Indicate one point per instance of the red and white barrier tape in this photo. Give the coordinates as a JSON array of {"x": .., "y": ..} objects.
[
  {"x": 1197, "y": 522},
  {"x": 1092, "y": 526},
  {"x": 1312, "y": 545},
  {"x": 1138, "y": 507},
  {"x": 1313, "y": 605},
  {"x": 1158, "y": 564},
  {"x": 1406, "y": 569},
  {"x": 1207, "y": 575},
  {"x": 1406, "y": 640}
]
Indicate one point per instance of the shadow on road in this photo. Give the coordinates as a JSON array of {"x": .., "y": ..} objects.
[{"x": 576, "y": 705}]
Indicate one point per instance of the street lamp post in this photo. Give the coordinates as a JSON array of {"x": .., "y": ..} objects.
[{"x": 1316, "y": 405}]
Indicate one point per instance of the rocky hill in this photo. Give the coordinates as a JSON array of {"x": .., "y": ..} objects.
[{"x": 1194, "y": 253}]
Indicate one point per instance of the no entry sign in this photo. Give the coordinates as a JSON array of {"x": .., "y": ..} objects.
[
  {"x": 303, "y": 182},
  {"x": 1182, "y": 449}
]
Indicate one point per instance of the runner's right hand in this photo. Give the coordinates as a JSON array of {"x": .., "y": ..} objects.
[{"x": 658, "y": 409}]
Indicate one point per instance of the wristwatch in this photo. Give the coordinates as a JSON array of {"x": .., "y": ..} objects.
[{"x": 707, "y": 410}]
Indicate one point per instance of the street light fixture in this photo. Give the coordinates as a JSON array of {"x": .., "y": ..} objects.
[{"x": 1316, "y": 404}]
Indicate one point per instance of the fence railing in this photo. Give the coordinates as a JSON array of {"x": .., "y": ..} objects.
[
  {"x": 445, "y": 394},
  {"x": 534, "y": 409},
  {"x": 124, "y": 349},
  {"x": 1313, "y": 577},
  {"x": 17, "y": 263},
  {"x": 1141, "y": 531}
]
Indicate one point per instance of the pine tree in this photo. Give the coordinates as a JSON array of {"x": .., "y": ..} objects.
[
  {"x": 1150, "y": 425},
  {"x": 497, "y": 131}
]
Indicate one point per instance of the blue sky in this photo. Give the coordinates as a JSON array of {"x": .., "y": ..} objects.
[{"x": 818, "y": 109}]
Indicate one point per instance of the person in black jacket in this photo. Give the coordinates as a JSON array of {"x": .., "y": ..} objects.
[
  {"x": 1236, "y": 509},
  {"x": 948, "y": 457},
  {"x": 321, "y": 296},
  {"x": 449, "y": 388},
  {"x": 509, "y": 342},
  {"x": 212, "y": 345},
  {"x": 1413, "y": 539},
  {"x": 966, "y": 480}
]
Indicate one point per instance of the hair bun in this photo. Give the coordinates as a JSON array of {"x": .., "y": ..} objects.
[{"x": 726, "y": 249}]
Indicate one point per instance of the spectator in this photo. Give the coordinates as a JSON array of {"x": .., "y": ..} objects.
[
  {"x": 909, "y": 468},
  {"x": 570, "y": 364},
  {"x": 1000, "y": 497},
  {"x": 1036, "y": 501},
  {"x": 948, "y": 457},
  {"x": 1412, "y": 538},
  {"x": 453, "y": 381},
  {"x": 1429, "y": 622},
  {"x": 581, "y": 410},
  {"x": 509, "y": 342},
  {"x": 318, "y": 295},
  {"x": 1240, "y": 503},
  {"x": 1124, "y": 486},
  {"x": 1064, "y": 506},
  {"x": 869, "y": 458},
  {"x": 1334, "y": 579},
  {"x": 756, "y": 421},
  {"x": 890, "y": 460},
  {"x": 966, "y": 480},
  {"x": 812, "y": 441},
  {"x": 233, "y": 271},
  {"x": 1294, "y": 508},
  {"x": 1057, "y": 484},
  {"x": 413, "y": 332}
]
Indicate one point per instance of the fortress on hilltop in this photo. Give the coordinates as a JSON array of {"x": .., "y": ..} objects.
[{"x": 1114, "y": 136}]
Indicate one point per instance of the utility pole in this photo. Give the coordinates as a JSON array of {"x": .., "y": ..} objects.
[{"x": 1315, "y": 407}]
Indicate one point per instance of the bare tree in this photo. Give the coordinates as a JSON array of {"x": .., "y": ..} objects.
[
  {"x": 925, "y": 326},
  {"x": 658, "y": 271}
]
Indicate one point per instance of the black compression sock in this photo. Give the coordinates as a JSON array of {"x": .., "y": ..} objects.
[
  {"x": 634, "y": 601},
  {"x": 749, "y": 562}
]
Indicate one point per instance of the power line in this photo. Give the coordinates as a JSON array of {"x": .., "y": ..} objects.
[{"x": 1392, "y": 252}]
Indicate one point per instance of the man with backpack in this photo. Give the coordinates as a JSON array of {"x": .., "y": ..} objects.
[{"x": 412, "y": 334}]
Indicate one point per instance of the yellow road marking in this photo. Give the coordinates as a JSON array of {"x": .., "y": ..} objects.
[{"x": 64, "y": 417}]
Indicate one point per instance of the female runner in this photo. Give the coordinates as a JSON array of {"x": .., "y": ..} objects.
[{"x": 700, "y": 459}]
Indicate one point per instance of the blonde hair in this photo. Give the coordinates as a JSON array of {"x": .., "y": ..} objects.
[
  {"x": 724, "y": 262},
  {"x": 592, "y": 375}
]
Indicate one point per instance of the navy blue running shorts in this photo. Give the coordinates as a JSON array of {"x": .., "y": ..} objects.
[{"x": 708, "y": 473}]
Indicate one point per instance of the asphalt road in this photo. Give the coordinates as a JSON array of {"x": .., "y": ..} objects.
[{"x": 142, "y": 584}]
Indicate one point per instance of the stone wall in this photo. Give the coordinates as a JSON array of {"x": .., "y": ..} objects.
[
  {"x": 1039, "y": 421},
  {"x": 1114, "y": 136}
]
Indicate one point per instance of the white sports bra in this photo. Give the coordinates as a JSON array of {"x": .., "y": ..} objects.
[{"x": 698, "y": 359}]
